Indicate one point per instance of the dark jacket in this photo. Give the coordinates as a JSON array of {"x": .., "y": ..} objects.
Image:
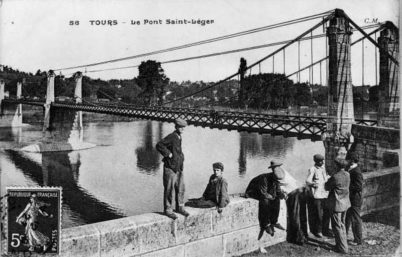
[
  {"x": 217, "y": 191},
  {"x": 338, "y": 187},
  {"x": 356, "y": 187},
  {"x": 171, "y": 144},
  {"x": 263, "y": 187}
]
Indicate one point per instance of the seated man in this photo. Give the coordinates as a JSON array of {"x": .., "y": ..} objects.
[
  {"x": 216, "y": 193},
  {"x": 265, "y": 188}
]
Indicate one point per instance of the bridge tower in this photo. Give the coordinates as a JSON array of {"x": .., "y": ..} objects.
[
  {"x": 49, "y": 99},
  {"x": 76, "y": 134},
  {"x": 10, "y": 116},
  {"x": 389, "y": 77},
  {"x": 340, "y": 94},
  {"x": 63, "y": 127}
]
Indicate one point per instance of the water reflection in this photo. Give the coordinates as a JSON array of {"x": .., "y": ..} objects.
[
  {"x": 123, "y": 175},
  {"x": 253, "y": 145},
  {"x": 148, "y": 158},
  {"x": 61, "y": 169}
]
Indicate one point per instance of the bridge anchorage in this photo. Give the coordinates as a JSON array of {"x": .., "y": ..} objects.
[{"x": 63, "y": 120}]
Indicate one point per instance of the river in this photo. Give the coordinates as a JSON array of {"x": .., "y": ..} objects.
[{"x": 122, "y": 175}]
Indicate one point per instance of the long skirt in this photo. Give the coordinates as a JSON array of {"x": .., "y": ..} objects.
[
  {"x": 35, "y": 238},
  {"x": 297, "y": 218}
]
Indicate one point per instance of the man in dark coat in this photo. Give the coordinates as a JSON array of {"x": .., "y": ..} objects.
[
  {"x": 265, "y": 188},
  {"x": 216, "y": 192},
  {"x": 173, "y": 181},
  {"x": 339, "y": 203},
  {"x": 355, "y": 194}
]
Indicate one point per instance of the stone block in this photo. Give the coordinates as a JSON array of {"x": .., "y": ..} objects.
[
  {"x": 371, "y": 187},
  {"x": 240, "y": 213},
  {"x": 80, "y": 241},
  {"x": 211, "y": 247},
  {"x": 177, "y": 251},
  {"x": 369, "y": 202},
  {"x": 390, "y": 159},
  {"x": 196, "y": 226},
  {"x": 156, "y": 232},
  {"x": 245, "y": 240},
  {"x": 119, "y": 237}
]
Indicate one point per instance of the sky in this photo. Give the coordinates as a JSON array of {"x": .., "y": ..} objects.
[{"x": 38, "y": 35}]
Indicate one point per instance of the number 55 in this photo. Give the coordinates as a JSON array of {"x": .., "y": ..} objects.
[{"x": 15, "y": 240}]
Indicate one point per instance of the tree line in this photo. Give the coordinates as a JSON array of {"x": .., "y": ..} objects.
[{"x": 152, "y": 87}]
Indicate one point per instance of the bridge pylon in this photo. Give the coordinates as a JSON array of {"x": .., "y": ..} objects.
[
  {"x": 63, "y": 128},
  {"x": 388, "y": 95},
  {"x": 10, "y": 115},
  {"x": 49, "y": 99},
  {"x": 77, "y": 133},
  {"x": 340, "y": 94}
]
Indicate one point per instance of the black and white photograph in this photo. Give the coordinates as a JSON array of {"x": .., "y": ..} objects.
[{"x": 200, "y": 128}]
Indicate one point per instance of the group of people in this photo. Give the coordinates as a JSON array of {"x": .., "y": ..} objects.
[
  {"x": 322, "y": 201},
  {"x": 216, "y": 192}
]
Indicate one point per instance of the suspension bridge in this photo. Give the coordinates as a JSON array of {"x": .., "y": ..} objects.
[{"x": 336, "y": 60}]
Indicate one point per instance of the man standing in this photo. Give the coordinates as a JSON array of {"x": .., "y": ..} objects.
[
  {"x": 173, "y": 181},
  {"x": 317, "y": 213},
  {"x": 338, "y": 203},
  {"x": 353, "y": 214}
]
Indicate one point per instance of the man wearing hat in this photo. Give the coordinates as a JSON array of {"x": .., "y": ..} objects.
[
  {"x": 216, "y": 192},
  {"x": 266, "y": 189},
  {"x": 318, "y": 214},
  {"x": 173, "y": 181},
  {"x": 339, "y": 203},
  {"x": 355, "y": 195}
]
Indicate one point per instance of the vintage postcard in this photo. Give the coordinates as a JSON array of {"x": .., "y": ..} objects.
[{"x": 263, "y": 113}]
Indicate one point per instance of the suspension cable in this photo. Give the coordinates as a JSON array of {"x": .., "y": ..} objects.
[
  {"x": 238, "y": 34},
  {"x": 312, "y": 59},
  {"x": 284, "y": 62},
  {"x": 362, "y": 62},
  {"x": 375, "y": 59},
  {"x": 221, "y": 53},
  {"x": 298, "y": 60},
  {"x": 371, "y": 40},
  {"x": 259, "y": 61}
]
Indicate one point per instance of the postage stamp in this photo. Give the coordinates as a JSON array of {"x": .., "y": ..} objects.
[{"x": 33, "y": 219}]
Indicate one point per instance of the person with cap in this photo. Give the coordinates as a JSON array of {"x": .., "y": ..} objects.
[
  {"x": 173, "y": 181},
  {"x": 216, "y": 192},
  {"x": 339, "y": 203},
  {"x": 265, "y": 188},
  {"x": 318, "y": 214},
  {"x": 355, "y": 195}
]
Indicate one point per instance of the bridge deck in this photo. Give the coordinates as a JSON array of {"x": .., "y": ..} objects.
[{"x": 287, "y": 125}]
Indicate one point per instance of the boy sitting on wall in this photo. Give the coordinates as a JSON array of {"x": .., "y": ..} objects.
[{"x": 216, "y": 192}]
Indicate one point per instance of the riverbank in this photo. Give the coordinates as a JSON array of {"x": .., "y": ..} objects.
[{"x": 381, "y": 233}]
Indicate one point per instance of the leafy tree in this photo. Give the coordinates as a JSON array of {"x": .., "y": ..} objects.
[
  {"x": 152, "y": 81},
  {"x": 303, "y": 95},
  {"x": 266, "y": 90}
]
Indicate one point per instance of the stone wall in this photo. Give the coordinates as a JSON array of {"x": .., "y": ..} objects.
[
  {"x": 378, "y": 147},
  {"x": 204, "y": 233},
  {"x": 381, "y": 190},
  {"x": 379, "y": 151}
]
